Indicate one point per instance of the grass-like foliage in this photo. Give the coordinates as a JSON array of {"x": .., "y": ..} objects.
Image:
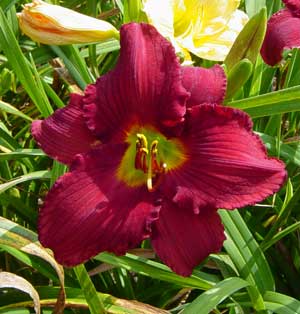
[{"x": 258, "y": 269}]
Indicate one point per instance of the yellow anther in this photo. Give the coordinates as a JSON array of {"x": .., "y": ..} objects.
[
  {"x": 155, "y": 169},
  {"x": 148, "y": 161},
  {"x": 142, "y": 140},
  {"x": 141, "y": 152}
]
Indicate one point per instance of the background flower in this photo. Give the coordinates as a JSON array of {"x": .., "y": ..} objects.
[
  {"x": 207, "y": 28},
  {"x": 283, "y": 32}
]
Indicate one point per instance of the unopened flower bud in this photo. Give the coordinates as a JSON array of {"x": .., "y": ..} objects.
[{"x": 56, "y": 25}]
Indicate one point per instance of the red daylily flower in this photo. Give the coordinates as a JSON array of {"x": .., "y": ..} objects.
[
  {"x": 151, "y": 155},
  {"x": 283, "y": 32}
]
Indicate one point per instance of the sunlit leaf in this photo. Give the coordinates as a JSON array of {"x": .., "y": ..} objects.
[
  {"x": 208, "y": 300},
  {"x": 11, "y": 234},
  {"x": 9, "y": 280}
]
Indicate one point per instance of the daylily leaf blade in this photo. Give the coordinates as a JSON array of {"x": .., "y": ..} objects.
[
  {"x": 21, "y": 66},
  {"x": 285, "y": 100},
  {"x": 11, "y": 280},
  {"x": 95, "y": 303},
  {"x": 281, "y": 303},
  {"x": 249, "y": 41},
  {"x": 18, "y": 237},
  {"x": 208, "y": 300},
  {"x": 132, "y": 11},
  {"x": 42, "y": 174},
  {"x": 198, "y": 280},
  {"x": 12, "y": 110},
  {"x": 247, "y": 257},
  {"x": 254, "y": 6},
  {"x": 245, "y": 252},
  {"x": 20, "y": 153}
]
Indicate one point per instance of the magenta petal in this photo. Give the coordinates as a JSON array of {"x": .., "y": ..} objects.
[
  {"x": 145, "y": 86},
  {"x": 205, "y": 85},
  {"x": 64, "y": 134},
  {"x": 183, "y": 239},
  {"x": 89, "y": 210},
  {"x": 293, "y": 5},
  {"x": 227, "y": 165},
  {"x": 283, "y": 32}
]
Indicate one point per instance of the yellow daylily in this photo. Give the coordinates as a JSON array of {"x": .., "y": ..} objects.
[
  {"x": 207, "y": 28},
  {"x": 55, "y": 25}
]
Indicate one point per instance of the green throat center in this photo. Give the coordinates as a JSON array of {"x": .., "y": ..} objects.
[{"x": 149, "y": 156}]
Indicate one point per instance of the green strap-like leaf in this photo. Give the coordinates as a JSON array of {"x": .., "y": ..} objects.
[
  {"x": 245, "y": 252},
  {"x": 281, "y": 304},
  {"x": 95, "y": 303},
  {"x": 285, "y": 100},
  {"x": 287, "y": 151},
  {"x": 208, "y": 300},
  {"x": 132, "y": 11},
  {"x": 7, "y": 4},
  {"x": 21, "y": 66},
  {"x": 278, "y": 236},
  {"x": 254, "y": 6},
  {"x": 159, "y": 271},
  {"x": 21, "y": 153},
  {"x": 283, "y": 216},
  {"x": 10, "y": 109},
  {"x": 42, "y": 174},
  {"x": 247, "y": 257}
]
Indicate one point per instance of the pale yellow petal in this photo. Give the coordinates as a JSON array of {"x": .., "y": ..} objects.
[
  {"x": 212, "y": 9},
  {"x": 71, "y": 20},
  {"x": 160, "y": 14},
  {"x": 184, "y": 17},
  {"x": 206, "y": 28},
  {"x": 215, "y": 46}
]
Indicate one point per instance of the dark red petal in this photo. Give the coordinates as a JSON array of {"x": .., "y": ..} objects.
[
  {"x": 89, "y": 210},
  {"x": 205, "y": 85},
  {"x": 64, "y": 134},
  {"x": 227, "y": 165},
  {"x": 145, "y": 86},
  {"x": 283, "y": 32},
  {"x": 183, "y": 239},
  {"x": 293, "y": 5}
]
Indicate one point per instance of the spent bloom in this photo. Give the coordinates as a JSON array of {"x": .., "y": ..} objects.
[
  {"x": 152, "y": 154},
  {"x": 283, "y": 32},
  {"x": 207, "y": 28},
  {"x": 55, "y": 25}
]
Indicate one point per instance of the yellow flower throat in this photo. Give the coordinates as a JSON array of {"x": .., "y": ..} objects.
[{"x": 148, "y": 157}]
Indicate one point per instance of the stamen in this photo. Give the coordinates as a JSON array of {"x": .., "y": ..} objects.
[
  {"x": 148, "y": 162},
  {"x": 153, "y": 155},
  {"x": 155, "y": 170},
  {"x": 142, "y": 139},
  {"x": 141, "y": 152}
]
